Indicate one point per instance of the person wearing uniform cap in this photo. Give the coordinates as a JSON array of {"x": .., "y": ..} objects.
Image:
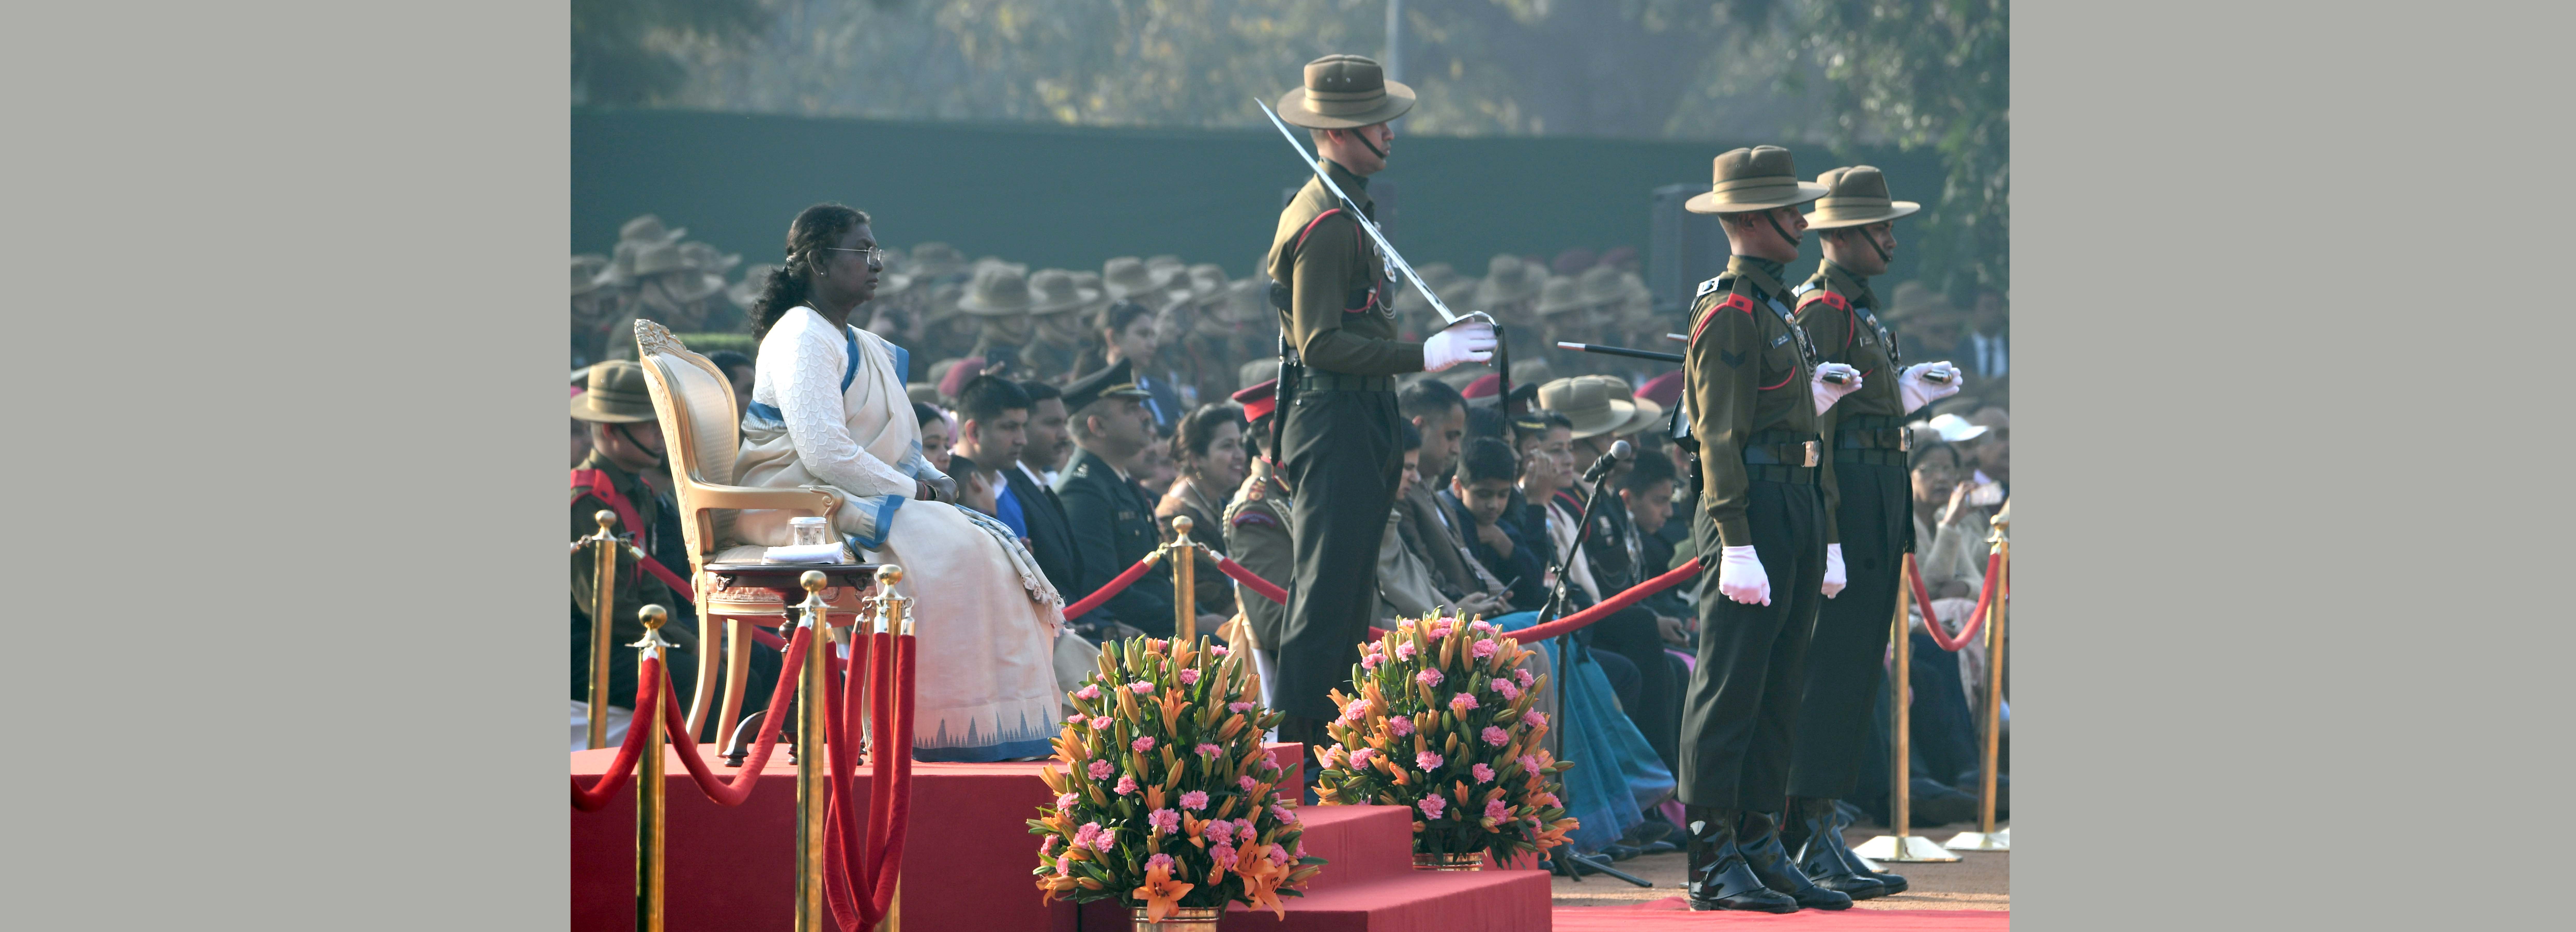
[
  {"x": 999, "y": 299},
  {"x": 1058, "y": 301},
  {"x": 1868, "y": 500},
  {"x": 1338, "y": 443},
  {"x": 1257, "y": 531},
  {"x": 1113, "y": 520},
  {"x": 625, "y": 443},
  {"x": 1755, "y": 390}
]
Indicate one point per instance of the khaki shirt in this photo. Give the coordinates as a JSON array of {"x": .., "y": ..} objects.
[
  {"x": 1746, "y": 372},
  {"x": 1840, "y": 315},
  {"x": 1340, "y": 316},
  {"x": 1256, "y": 535}
]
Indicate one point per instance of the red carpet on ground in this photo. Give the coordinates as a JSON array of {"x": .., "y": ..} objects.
[{"x": 1674, "y": 913}]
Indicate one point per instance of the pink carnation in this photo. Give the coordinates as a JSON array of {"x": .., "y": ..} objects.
[
  {"x": 1483, "y": 649},
  {"x": 1462, "y": 702},
  {"x": 1163, "y": 820},
  {"x": 1087, "y": 836},
  {"x": 1371, "y": 661},
  {"x": 1145, "y": 743},
  {"x": 1359, "y": 758},
  {"x": 1108, "y": 839},
  {"x": 1284, "y": 814},
  {"x": 1047, "y": 845},
  {"x": 1194, "y": 799},
  {"x": 1529, "y": 762},
  {"x": 1220, "y": 832},
  {"x": 1163, "y": 861},
  {"x": 1426, "y": 760},
  {"x": 1223, "y": 855},
  {"x": 1247, "y": 782},
  {"x": 1189, "y": 676},
  {"x": 1480, "y": 625},
  {"x": 1504, "y": 688},
  {"x": 1431, "y": 805},
  {"x": 1494, "y": 735},
  {"x": 1440, "y": 627},
  {"x": 1066, "y": 800},
  {"x": 1428, "y": 677},
  {"x": 1088, "y": 691},
  {"x": 1404, "y": 651},
  {"x": 1099, "y": 770},
  {"x": 1495, "y": 810},
  {"x": 1209, "y": 750},
  {"x": 1483, "y": 773},
  {"x": 1279, "y": 855},
  {"x": 1536, "y": 719},
  {"x": 1126, "y": 784},
  {"x": 1358, "y": 709},
  {"x": 1075, "y": 720},
  {"x": 1219, "y": 650},
  {"x": 1400, "y": 725},
  {"x": 1525, "y": 677},
  {"x": 1333, "y": 756},
  {"x": 1238, "y": 707},
  {"x": 1141, "y": 688}
]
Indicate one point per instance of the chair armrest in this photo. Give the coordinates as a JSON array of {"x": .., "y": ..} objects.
[{"x": 815, "y": 499}]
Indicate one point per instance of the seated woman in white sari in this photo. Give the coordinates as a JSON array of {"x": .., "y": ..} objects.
[{"x": 828, "y": 408}]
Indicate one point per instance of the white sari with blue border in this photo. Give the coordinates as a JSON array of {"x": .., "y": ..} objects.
[{"x": 829, "y": 408}]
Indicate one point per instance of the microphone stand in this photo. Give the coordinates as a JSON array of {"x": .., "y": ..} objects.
[{"x": 1569, "y": 863}]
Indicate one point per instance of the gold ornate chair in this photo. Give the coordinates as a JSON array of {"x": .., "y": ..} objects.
[{"x": 702, "y": 434}]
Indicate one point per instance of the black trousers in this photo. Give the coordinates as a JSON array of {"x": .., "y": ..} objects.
[
  {"x": 1740, "y": 714},
  {"x": 1846, "y": 661},
  {"x": 1942, "y": 740},
  {"x": 1656, "y": 708},
  {"x": 1342, "y": 467}
]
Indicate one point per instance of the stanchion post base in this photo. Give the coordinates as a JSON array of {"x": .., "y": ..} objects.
[
  {"x": 2001, "y": 840},
  {"x": 1910, "y": 849}
]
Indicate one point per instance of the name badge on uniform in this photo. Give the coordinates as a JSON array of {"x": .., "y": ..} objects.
[{"x": 1776, "y": 341}]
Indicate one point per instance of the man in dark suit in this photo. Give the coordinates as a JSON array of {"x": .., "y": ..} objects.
[
  {"x": 994, "y": 428},
  {"x": 1113, "y": 520}
]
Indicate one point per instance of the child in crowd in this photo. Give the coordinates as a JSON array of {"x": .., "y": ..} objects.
[
  {"x": 1479, "y": 494},
  {"x": 976, "y": 484}
]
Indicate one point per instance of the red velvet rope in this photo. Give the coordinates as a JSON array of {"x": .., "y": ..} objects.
[
  {"x": 1251, "y": 580},
  {"x": 897, "y": 813},
  {"x": 647, "y": 691},
  {"x": 1114, "y": 587},
  {"x": 733, "y": 792},
  {"x": 1608, "y": 607},
  {"x": 1967, "y": 631}
]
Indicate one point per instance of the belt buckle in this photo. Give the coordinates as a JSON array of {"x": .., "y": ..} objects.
[
  {"x": 1904, "y": 440},
  {"x": 1811, "y": 452}
]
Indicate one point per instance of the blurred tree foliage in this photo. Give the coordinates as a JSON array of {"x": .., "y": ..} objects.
[{"x": 1913, "y": 73}]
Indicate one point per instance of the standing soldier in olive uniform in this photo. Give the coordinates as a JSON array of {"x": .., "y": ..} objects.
[
  {"x": 1866, "y": 498},
  {"x": 1756, "y": 391},
  {"x": 1256, "y": 532},
  {"x": 1338, "y": 442}
]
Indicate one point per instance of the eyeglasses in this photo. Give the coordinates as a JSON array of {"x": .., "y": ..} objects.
[{"x": 873, "y": 254}]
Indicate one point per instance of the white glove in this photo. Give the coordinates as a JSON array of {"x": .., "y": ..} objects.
[
  {"x": 1740, "y": 576},
  {"x": 1468, "y": 342},
  {"x": 1834, "y": 577},
  {"x": 1914, "y": 391},
  {"x": 1827, "y": 392}
]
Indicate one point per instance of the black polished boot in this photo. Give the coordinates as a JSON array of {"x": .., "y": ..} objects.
[
  {"x": 1719, "y": 878},
  {"x": 1815, "y": 844},
  {"x": 1843, "y": 816},
  {"x": 1757, "y": 837}
]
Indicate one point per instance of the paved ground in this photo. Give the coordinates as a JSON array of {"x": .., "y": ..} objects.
[{"x": 1978, "y": 880}]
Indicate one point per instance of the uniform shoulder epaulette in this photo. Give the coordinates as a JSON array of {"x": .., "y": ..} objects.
[
  {"x": 1711, "y": 285},
  {"x": 1733, "y": 301},
  {"x": 1826, "y": 295}
]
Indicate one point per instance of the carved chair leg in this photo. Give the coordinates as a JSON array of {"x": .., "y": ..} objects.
[
  {"x": 705, "y": 688},
  {"x": 737, "y": 673}
]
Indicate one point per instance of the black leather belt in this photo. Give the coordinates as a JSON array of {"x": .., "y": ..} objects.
[
  {"x": 1318, "y": 380},
  {"x": 1782, "y": 456}
]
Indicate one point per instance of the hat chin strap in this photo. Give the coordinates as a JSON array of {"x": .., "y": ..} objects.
[
  {"x": 1884, "y": 260},
  {"x": 1774, "y": 220},
  {"x": 1364, "y": 142},
  {"x": 637, "y": 444}
]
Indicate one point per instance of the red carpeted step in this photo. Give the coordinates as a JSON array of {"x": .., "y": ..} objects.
[
  {"x": 1673, "y": 913},
  {"x": 1362, "y": 842},
  {"x": 1414, "y": 901}
]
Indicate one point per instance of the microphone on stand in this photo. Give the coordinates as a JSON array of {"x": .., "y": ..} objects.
[{"x": 1601, "y": 467}]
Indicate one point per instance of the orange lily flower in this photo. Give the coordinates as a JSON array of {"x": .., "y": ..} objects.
[
  {"x": 1162, "y": 894},
  {"x": 1261, "y": 878}
]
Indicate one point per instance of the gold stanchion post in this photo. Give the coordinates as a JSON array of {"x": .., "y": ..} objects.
[
  {"x": 1185, "y": 572},
  {"x": 1902, "y": 846},
  {"x": 893, "y": 619},
  {"x": 603, "y": 602},
  {"x": 649, "y": 876},
  {"x": 1987, "y": 837},
  {"x": 812, "y": 797}
]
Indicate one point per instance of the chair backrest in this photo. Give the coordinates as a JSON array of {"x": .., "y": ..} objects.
[{"x": 701, "y": 430}]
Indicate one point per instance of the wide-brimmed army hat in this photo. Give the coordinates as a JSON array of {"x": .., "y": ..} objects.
[
  {"x": 1560, "y": 295},
  {"x": 1128, "y": 277},
  {"x": 935, "y": 259},
  {"x": 615, "y": 395},
  {"x": 1054, "y": 291},
  {"x": 1647, "y": 413},
  {"x": 1247, "y": 301},
  {"x": 999, "y": 290},
  {"x": 587, "y": 272},
  {"x": 1759, "y": 178},
  {"x": 1345, "y": 92},
  {"x": 1855, "y": 196},
  {"x": 1507, "y": 278},
  {"x": 1587, "y": 404},
  {"x": 1598, "y": 286}
]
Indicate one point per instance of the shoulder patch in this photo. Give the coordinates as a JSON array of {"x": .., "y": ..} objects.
[
  {"x": 1709, "y": 286},
  {"x": 1830, "y": 299},
  {"x": 1249, "y": 518},
  {"x": 1734, "y": 301}
]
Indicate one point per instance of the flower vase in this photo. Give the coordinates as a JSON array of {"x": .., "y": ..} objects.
[
  {"x": 1449, "y": 861},
  {"x": 1182, "y": 919}
]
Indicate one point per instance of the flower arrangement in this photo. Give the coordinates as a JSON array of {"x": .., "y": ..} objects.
[
  {"x": 1166, "y": 798},
  {"x": 1443, "y": 725}
]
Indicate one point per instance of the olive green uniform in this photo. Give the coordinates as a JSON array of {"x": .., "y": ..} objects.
[
  {"x": 1338, "y": 441},
  {"x": 1257, "y": 536},
  {"x": 1866, "y": 503},
  {"x": 633, "y": 590},
  {"x": 1748, "y": 373}
]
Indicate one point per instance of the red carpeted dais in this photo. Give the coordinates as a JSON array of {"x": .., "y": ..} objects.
[{"x": 1674, "y": 913}]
